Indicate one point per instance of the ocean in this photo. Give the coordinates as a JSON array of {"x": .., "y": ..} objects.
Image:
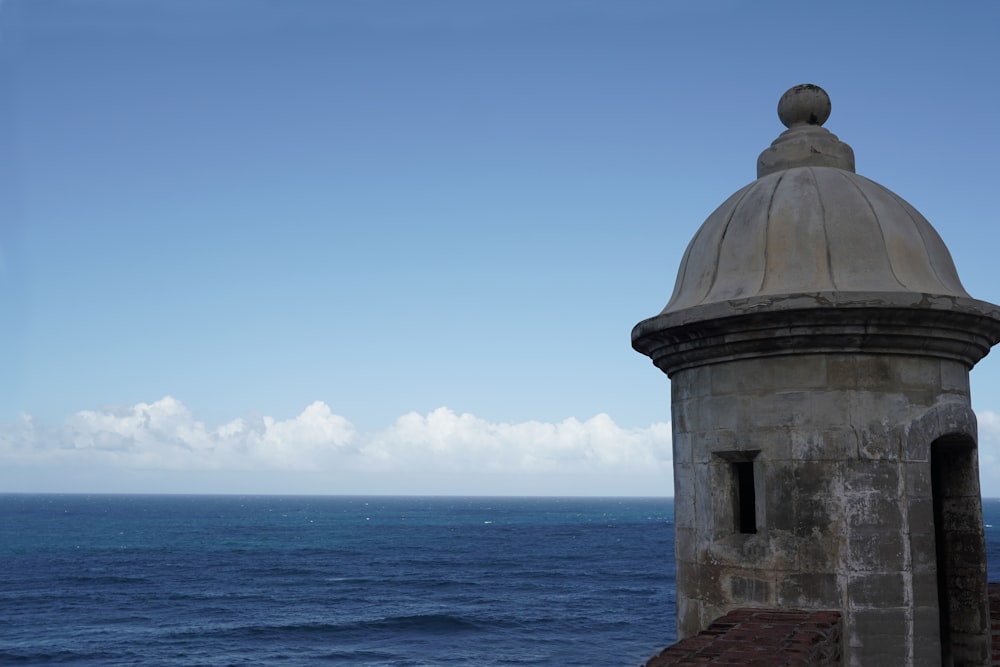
[{"x": 366, "y": 582}]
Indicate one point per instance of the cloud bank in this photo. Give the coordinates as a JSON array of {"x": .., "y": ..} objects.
[
  {"x": 989, "y": 452},
  {"x": 164, "y": 436},
  {"x": 162, "y": 447}
]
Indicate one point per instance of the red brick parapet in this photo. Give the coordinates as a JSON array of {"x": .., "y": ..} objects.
[
  {"x": 762, "y": 637},
  {"x": 995, "y": 620}
]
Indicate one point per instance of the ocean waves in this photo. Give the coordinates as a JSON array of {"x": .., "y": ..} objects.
[
  {"x": 334, "y": 581},
  {"x": 418, "y": 623}
]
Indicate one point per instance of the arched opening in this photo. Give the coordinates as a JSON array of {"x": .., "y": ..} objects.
[{"x": 960, "y": 551}]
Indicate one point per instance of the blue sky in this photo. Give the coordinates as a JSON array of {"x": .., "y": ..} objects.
[{"x": 398, "y": 247}]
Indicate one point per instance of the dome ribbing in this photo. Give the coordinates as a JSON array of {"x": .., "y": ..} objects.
[
  {"x": 813, "y": 229},
  {"x": 810, "y": 224},
  {"x": 812, "y": 256}
]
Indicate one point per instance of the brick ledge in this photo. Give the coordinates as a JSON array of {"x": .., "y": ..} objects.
[{"x": 762, "y": 637}]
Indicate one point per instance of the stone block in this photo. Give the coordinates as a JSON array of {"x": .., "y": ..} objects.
[
  {"x": 830, "y": 444},
  {"x": 681, "y": 446},
  {"x": 711, "y": 587},
  {"x": 719, "y": 440},
  {"x": 721, "y": 501},
  {"x": 920, "y": 397},
  {"x": 969, "y": 584},
  {"x": 684, "y": 487},
  {"x": 842, "y": 372},
  {"x": 875, "y": 550},
  {"x": 806, "y": 410},
  {"x": 920, "y": 515},
  {"x": 818, "y": 489},
  {"x": 972, "y": 615},
  {"x": 963, "y": 513},
  {"x": 926, "y": 631},
  {"x": 688, "y": 582},
  {"x": 723, "y": 379},
  {"x": 923, "y": 553},
  {"x": 778, "y": 494},
  {"x": 774, "y": 441},
  {"x": 821, "y": 550},
  {"x": 807, "y": 445},
  {"x": 688, "y": 617},
  {"x": 782, "y": 550},
  {"x": 874, "y": 510},
  {"x": 925, "y": 592},
  {"x": 688, "y": 383},
  {"x": 971, "y": 648},
  {"x": 744, "y": 550},
  {"x": 685, "y": 544},
  {"x": 919, "y": 372},
  {"x": 866, "y": 475},
  {"x": 817, "y": 477},
  {"x": 956, "y": 418},
  {"x": 813, "y": 590},
  {"x": 816, "y": 514},
  {"x": 966, "y": 550},
  {"x": 878, "y": 442},
  {"x": 719, "y": 412},
  {"x": 703, "y": 492},
  {"x": 748, "y": 589},
  {"x": 917, "y": 475},
  {"x": 877, "y": 372},
  {"x": 684, "y": 508},
  {"x": 881, "y": 632},
  {"x": 860, "y": 371},
  {"x": 878, "y": 410},
  {"x": 684, "y": 416},
  {"x": 916, "y": 440},
  {"x": 954, "y": 377},
  {"x": 767, "y": 374},
  {"x": 875, "y": 590},
  {"x": 952, "y": 397}
]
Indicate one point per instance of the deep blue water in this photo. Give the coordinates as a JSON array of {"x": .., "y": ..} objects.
[
  {"x": 226, "y": 580},
  {"x": 991, "y": 521}
]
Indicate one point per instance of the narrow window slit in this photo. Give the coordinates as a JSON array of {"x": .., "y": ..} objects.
[{"x": 745, "y": 496}]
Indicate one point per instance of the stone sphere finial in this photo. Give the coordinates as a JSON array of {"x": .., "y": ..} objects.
[
  {"x": 806, "y": 143},
  {"x": 805, "y": 104}
]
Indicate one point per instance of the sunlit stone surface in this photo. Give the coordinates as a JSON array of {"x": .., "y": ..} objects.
[{"x": 818, "y": 343}]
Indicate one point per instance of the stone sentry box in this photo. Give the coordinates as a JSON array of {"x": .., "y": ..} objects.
[{"x": 819, "y": 343}]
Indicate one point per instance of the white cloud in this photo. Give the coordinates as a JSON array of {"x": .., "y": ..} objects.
[
  {"x": 989, "y": 452},
  {"x": 165, "y": 436},
  {"x": 319, "y": 451},
  {"x": 444, "y": 440}
]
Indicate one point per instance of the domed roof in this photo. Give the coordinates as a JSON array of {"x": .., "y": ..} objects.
[
  {"x": 812, "y": 258},
  {"x": 810, "y": 224}
]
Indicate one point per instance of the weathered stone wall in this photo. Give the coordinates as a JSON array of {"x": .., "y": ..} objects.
[{"x": 840, "y": 449}]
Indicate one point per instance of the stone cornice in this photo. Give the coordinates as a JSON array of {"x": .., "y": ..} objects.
[{"x": 948, "y": 327}]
